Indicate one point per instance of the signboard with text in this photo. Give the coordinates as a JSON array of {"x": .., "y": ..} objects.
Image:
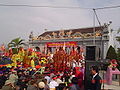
[{"x": 61, "y": 44}]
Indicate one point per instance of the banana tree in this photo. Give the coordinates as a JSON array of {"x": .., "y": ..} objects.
[{"x": 15, "y": 43}]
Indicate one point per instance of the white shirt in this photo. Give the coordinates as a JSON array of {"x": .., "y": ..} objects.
[
  {"x": 53, "y": 84},
  {"x": 59, "y": 81}
]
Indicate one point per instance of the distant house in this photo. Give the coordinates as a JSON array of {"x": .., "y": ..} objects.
[{"x": 88, "y": 37}]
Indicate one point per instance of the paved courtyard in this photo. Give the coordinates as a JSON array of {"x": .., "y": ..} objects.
[{"x": 114, "y": 86}]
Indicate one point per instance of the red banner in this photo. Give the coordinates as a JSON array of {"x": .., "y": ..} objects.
[{"x": 61, "y": 44}]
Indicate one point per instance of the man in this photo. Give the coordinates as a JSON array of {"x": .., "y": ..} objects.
[{"x": 96, "y": 79}]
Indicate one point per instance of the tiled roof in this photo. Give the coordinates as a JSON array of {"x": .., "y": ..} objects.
[{"x": 81, "y": 30}]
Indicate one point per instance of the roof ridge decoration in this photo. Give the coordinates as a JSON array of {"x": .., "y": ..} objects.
[
  {"x": 61, "y": 34},
  {"x": 54, "y": 35},
  {"x": 47, "y": 37},
  {"x": 68, "y": 34},
  {"x": 98, "y": 33}
]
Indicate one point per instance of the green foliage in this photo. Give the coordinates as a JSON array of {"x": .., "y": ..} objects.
[
  {"x": 111, "y": 53},
  {"x": 15, "y": 43},
  {"x": 14, "y": 50},
  {"x": 118, "y": 58},
  {"x": 118, "y": 54}
]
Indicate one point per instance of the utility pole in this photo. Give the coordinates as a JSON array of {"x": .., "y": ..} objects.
[{"x": 93, "y": 26}]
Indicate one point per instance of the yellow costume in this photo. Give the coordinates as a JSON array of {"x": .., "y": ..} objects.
[
  {"x": 32, "y": 63},
  {"x": 15, "y": 57},
  {"x": 21, "y": 53}
]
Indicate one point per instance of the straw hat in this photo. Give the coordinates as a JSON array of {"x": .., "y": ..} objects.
[{"x": 41, "y": 84}]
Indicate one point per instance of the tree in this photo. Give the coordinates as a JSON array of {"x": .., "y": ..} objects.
[
  {"x": 118, "y": 54},
  {"x": 118, "y": 58},
  {"x": 15, "y": 43},
  {"x": 111, "y": 53}
]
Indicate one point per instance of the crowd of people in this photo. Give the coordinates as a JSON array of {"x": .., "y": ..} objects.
[
  {"x": 32, "y": 79},
  {"x": 32, "y": 72}
]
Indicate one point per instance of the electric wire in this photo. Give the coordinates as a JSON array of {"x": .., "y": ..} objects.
[
  {"x": 110, "y": 7},
  {"x": 48, "y": 6},
  {"x": 45, "y": 6}
]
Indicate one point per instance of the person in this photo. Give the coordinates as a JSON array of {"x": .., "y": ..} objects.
[
  {"x": 58, "y": 80},
  {"x": 9, "y": 85},
  {"x": 21, "y": 83},
  {"x": 41, "y": 85},
  {"x": 79, "y": 75},
  {"x": 1, "y": 79},
  {"x": 53, "y": 84},
  {"x": 46, "y": 84},
  {"x": 33, "y": 85},
  {"x": 62, "y": 86},
  {"x": 13, "y": 77},
  {"x": 74, "y": 85},
  {"x": 96, "y": 79}
]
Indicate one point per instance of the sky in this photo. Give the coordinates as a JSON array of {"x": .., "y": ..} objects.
[{"x": 20, "y": 21}]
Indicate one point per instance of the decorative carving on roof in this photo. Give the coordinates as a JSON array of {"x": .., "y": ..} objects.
[
  {"x": 84, "y": 35},
  {"x": 54, "y": 35},
  {"x": 72, "y": 33},
  {"x": 77, "y": 34},
  {"x": 40, "y": 38},
  {"x": 98, "y": 33},
  {"x": 35, "y": 38},
  {"x": 69, "y": 33},
  {"x": 88, "y": 35},
  {"x": 61, "y": 33},
  {"x": 47, "y": 37}
]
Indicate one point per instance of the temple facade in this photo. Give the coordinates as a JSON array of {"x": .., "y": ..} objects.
[{"x": 97, "y": 37}]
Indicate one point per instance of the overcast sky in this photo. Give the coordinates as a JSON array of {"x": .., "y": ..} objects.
[{"x": 20, "y": 21}]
